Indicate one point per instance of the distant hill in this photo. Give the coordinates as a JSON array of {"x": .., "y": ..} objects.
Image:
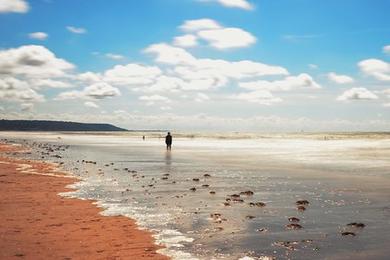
[{"x": 41, "y": 125}]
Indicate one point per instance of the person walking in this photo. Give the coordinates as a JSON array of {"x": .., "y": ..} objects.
[{"x": 168, "y": 141}]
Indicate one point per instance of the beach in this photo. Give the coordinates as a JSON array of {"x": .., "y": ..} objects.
[
  {"x": 195, "y": 129},
  {"x": 37, "y": 223},
  {"x": 223, "y": 196}
]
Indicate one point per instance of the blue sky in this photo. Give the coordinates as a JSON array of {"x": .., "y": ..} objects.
[{"x": 308, "y": 65}]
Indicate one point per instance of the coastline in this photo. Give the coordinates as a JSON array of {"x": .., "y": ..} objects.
[{"x": 36, "y": 223}]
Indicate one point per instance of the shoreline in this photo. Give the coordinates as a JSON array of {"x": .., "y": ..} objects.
[{"x": 37, "y": 223}]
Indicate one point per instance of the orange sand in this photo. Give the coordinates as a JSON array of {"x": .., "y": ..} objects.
[{"x": 36, "y": 223}]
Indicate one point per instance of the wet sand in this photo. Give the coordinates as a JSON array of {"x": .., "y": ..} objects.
[
  {"x": 279, "y": 198},
  {"x": 36, "y": 223}
]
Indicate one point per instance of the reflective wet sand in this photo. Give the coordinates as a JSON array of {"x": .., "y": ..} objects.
[{"x": 194, "y": 198}]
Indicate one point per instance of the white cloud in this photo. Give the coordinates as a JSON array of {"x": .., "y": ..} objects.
[
  {"x": 114, "y": 56},
  {"x": 165, "y": 108},
  {"x": 201, "y": 97},
  {"x": 386, "y": 92},
  {"x": 199, "y": 24},
  {"x": 386, "y": 105},
  {"x": 227, "y": 38},
  {"x": 175, "y": 84},
  {"x": 17, "y": 90},
  {"x": 240, "y": 69},
  {"x": 261, "y": 89},
  {"x": 164, "y": 83},
  {"x": 14, "y": 6},
  {"x": 131, "y": 74},
  {"x": 89, "y": 77},
  {"x": 100, "y": 90},
  {"x": 386, "y": 49},
  {"x": 201, "y": 72},
  {"x": 48, "y": 83},
  {"x": 76, "y": 30},
  {"x": 201, "y": 84},
  {"x": 357, "y": 94},
  {"x": 27, "y": 107},
  {"x": 302, "y": 81},
  {"x": 376, "y": 68},
  {"x": 187, "y": 40},
  {"x": 205, "y": 74},
  {"x": 262, "y": 97},
  {"x": 32, "y": 61},
  {"x": 90, "y": 104},
  {"x": 217, "y": 36},
  {"x": 168, "y": 54},
  {"x": 38, "y": 36},
  {"x": 186, "y": 73},
  {"x": 151, "y": 100},
  {"x": 241, "y": 4},
  {"x": 340, "y": 79},
  {"x": 190, "y": 73},
  {"x": 154, "y": 98},
  {"x": 120, "y": 111},
  {"x": 313, "y": 66},
  {"x": 74, "y": 94},
  {"x": 247, "y": 69}
]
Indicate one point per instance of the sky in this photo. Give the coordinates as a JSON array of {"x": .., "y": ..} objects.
[{"x": 198, "y": 65}]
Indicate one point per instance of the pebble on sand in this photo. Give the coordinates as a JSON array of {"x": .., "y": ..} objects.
[
  {"x": 293, "y": 219},
  {"x": 356, "y": 225},
  {"x": 347, "y": 233},
  {"x": 262, "y": 230},
  {"x": 247, "y": 193},
  {"x": 302, "y": 202},
  {"x": 293, "y": 226},
  {"x": 257, "y": 204}
]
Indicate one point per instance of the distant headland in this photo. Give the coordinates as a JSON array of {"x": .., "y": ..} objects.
[{"x": 45, "y": 125}]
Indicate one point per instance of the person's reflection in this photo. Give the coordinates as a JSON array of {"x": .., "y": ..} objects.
[{"x": 168, "y": 158}]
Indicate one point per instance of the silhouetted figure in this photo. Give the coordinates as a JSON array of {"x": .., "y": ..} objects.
[
  {"x": 143, "y": 137},
  {"x": 168, "y": 141}
]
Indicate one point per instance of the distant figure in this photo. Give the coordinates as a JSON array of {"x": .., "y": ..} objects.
[
  {"x": 168, "y": 141},
  {"x": 143, "y": 137}
]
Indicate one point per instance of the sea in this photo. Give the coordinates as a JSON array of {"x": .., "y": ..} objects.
[{"x": 234, "y": 195}]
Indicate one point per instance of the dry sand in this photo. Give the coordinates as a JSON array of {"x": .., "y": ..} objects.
[{"x": 36, "y": 223}]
